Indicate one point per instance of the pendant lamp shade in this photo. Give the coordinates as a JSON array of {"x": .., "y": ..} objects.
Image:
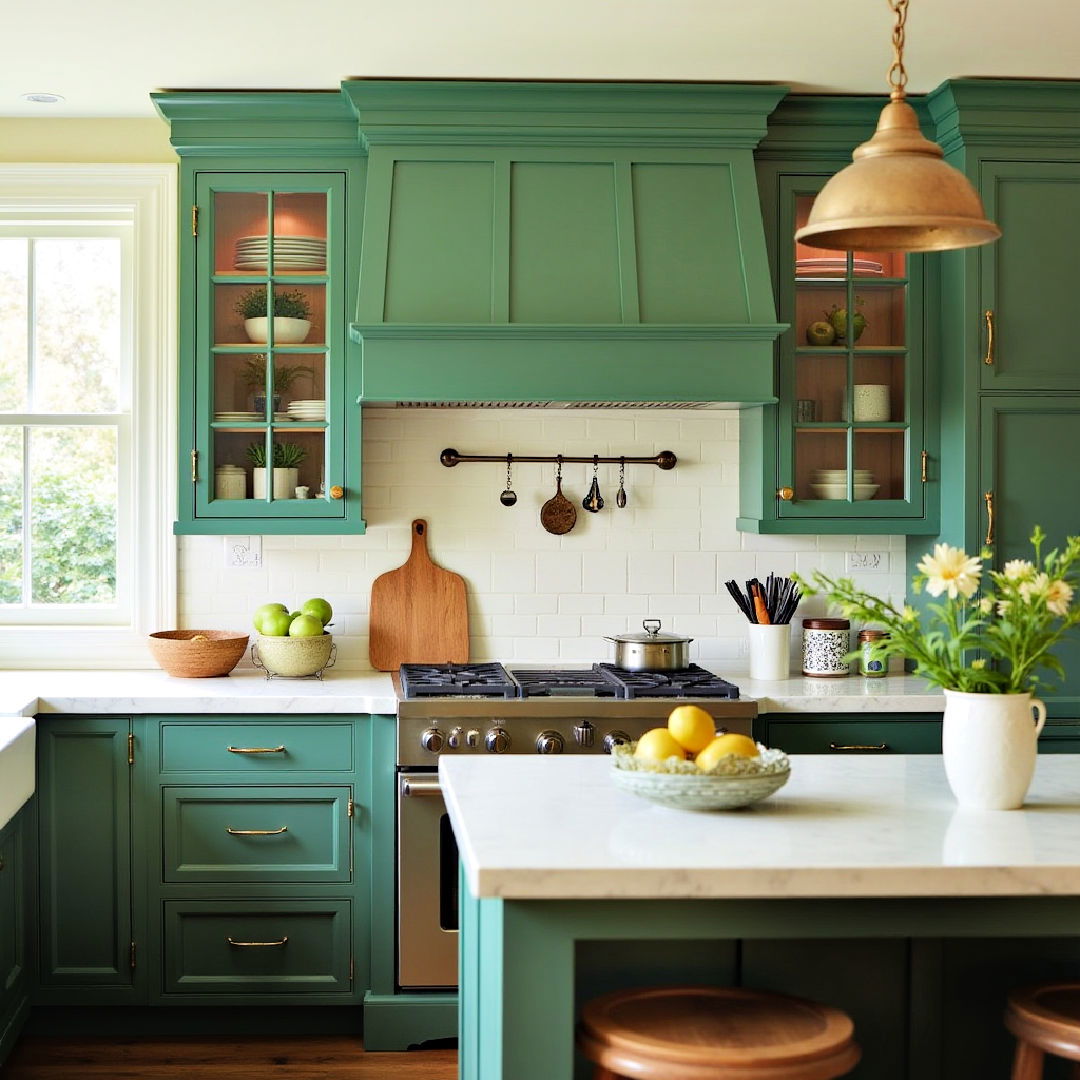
[{"x": 898, "y": 194}]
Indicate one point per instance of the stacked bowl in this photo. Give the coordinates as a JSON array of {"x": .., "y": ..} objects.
[
  {"x": 832, "y": 484},
  {"x": 310, "y": 410}
]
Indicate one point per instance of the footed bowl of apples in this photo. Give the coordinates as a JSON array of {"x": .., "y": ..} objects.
[
  {"x": 689, "y": 766},
  {"x": 294, "y": 645}
]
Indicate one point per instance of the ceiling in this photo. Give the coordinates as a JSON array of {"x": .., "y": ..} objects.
[{"x": 106, "y": 57}]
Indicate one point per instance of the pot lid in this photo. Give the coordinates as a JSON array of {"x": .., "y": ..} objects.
[{"x": 651, "y": 634}]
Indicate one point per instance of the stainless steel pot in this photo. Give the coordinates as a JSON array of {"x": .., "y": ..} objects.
[{"x": 652, "y": 650}]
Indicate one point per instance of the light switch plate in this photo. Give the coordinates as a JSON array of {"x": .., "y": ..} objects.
[
  {"x": 867, "y": 562},
  {"x": 243, "y": 552}
]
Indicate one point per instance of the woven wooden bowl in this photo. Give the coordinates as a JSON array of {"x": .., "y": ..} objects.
[{"x": 197, "y": 654}]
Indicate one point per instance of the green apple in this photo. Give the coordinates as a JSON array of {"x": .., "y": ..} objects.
[
  {"x": 305, "y": 626},
  {"x": 276, "y": 624},
  {"x": 266, "y": 609},
  {"x": 318, "y": 608},
  {"x": 295, "y": 614}
]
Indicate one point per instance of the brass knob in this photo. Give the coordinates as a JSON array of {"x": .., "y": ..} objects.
[
  {"x": 785, "y": 493},
  {"x": 337, "y": 492}
]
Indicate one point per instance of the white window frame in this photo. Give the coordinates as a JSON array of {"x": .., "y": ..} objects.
[{"x": 146, "y": 195}]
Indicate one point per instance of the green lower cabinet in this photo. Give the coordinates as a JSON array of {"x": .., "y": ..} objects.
[
  {"x": 257, "y": 947},
  {"x": 849, "y": 735},
  {"x": 87, "y": 895},
  {"x": 14, "y": 992}
]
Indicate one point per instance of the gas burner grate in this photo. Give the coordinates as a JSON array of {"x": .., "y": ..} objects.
[
  {"x": 457, "y": 680},
  {"x": 585, "y": 682},
  {"x": 688, "y": 682}
]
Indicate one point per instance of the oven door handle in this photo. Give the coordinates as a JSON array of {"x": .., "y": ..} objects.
[{"x": 414, "y": 786}]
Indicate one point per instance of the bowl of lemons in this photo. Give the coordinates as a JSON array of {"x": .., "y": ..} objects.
[{"x": 688, "y": 765}]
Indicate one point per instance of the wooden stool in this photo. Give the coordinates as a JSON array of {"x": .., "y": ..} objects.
[
  {"x": 1045, "y": 1020},
  {"x": 714, "y": 1033}
]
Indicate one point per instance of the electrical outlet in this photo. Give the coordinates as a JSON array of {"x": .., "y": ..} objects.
[
  {"x": 864, "y": 562},
  {"x": 243, "y": 552}
]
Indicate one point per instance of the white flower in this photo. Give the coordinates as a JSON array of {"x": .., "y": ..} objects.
[
  {"x": 1016, "y": 569},
  {"x": 1003, "y": 608},
  {"x": 986, "y": 605},
  {"x": 1036, "y": 588},
  {"x": 1059, "y": 596},
  {"x": 950, "y": 570}
]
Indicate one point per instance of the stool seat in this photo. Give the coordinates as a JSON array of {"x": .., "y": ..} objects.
[
  {"x": 715, "y": 1033},
  {"x": 1045, "y": 1019}
]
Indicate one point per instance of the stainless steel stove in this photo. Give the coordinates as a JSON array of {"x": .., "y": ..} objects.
[{"x": 488, "y": 709}]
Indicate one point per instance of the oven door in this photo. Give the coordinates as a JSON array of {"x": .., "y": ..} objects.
[{"x": 427, "y": 885}]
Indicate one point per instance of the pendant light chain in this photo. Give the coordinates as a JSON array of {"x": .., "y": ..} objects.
[{"x": 897, "y": 77}]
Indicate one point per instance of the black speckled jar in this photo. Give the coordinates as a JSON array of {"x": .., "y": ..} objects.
[{"x": 826, "y": 644}]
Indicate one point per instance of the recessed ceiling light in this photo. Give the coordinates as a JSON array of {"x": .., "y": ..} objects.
[{"x": 43, "y": 98}]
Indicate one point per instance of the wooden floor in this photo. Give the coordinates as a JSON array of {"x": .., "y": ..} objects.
[{"x": 314, "y": 1057}]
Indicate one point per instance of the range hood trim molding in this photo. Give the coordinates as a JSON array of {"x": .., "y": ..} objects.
[{"x": 768, "y": 332}]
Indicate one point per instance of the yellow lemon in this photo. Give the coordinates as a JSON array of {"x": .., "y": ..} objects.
[
  {"x": 658, "y": 745},
  {"x": 692, "y": 727},
  {"x": 740, "y": 745}
]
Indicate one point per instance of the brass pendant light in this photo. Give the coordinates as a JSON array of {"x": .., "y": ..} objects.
[{"x": 898, "y": 194}]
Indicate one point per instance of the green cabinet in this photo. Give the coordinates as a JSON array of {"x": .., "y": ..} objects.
[
  {"x": 844, "y": 450},
  {"x": 14, "y": 994},
  {"x": 270, "y": 192},
  {"x": 837, "y": 734},
  {"x": 87, "y": 895}
]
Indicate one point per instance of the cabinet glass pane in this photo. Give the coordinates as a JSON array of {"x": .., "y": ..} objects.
[
  {"x": 299, "y": 239},
  {"x": 878, "y": 394},
  {"x": 820, "y": 388},
  {"x": 298, "y": 456},
  {"x": 882, "y": 315},
  {"x": 240, "y": 314},
  {"x": 880, "y": 457},
  {"x": 239, "y": 222},
  {"x": 820, "y": 464}
]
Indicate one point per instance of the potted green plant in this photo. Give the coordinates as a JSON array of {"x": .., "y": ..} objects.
[
  {"x": 985, "y": 645},
  {"x": 253, "y": 373},
  {"x": 291, "y": 311},
  {"x": 286, "y": 457}
]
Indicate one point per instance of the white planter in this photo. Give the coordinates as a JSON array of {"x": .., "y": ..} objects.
[
  {"x": 284, "y": 483},
  {"x": 769, "y": 650},
  {"x": 286, "y": 331},
  {"x": 989, "y": 745}
]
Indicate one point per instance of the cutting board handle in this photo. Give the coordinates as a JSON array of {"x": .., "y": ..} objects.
[{"x": 419, "y": 540}]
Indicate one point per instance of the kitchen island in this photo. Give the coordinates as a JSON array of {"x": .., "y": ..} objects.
[{"x": 570, "y": 886}]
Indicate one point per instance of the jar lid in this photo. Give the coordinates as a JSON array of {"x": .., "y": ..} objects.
[
  {"x": 826, "y": 624},
  {"x": 872, "y": 635}
]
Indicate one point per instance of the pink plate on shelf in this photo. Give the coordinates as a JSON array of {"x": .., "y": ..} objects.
[{"x": 834, "y": 267}]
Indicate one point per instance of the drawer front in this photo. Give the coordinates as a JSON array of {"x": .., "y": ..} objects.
[
  {"x": 256, "y": 834},
  {"x": 257, "y": 748},
  {"x": 243, "y": 947},
  {"x": 856, "y": 737}
]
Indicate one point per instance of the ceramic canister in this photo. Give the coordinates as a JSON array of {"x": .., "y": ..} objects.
[
  {"x": 871, "y": 402},
  {"x": 826, "y": 643}
]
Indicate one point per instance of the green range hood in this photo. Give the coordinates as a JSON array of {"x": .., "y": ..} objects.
[{"x": 570, "y": 242}]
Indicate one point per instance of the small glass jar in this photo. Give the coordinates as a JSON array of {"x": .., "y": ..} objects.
[
  {"x": 826, "y": 643},
  {"x": 871, "y": 664}
]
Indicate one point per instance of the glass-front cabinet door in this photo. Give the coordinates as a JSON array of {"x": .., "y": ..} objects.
[
  {"x": 850, "y": 413},
  {"x": 269, "y": 391}
]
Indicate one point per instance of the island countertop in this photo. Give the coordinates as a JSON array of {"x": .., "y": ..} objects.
[{"x": 854, "y": 827}]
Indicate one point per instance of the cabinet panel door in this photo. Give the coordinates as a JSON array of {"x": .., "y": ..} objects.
[
  {"x": 1028, "y": 277},
  {"x": 84, "y": 801},
  {"x": 856, "y": 736},
  {"x": 12, "y": 914},
  {"x": 1025, "y": 441}
]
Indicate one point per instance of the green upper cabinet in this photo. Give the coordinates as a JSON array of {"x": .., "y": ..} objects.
[
  {"x": 844, "y": 449},
  {"x": 271, "y": 186},
  {"x": 563, "y": 241}
]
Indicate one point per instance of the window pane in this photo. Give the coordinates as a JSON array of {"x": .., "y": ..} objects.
[
  {"x": 13, "y": 325},
  {"x": 78, "y": 335},
  {"x": 73, "y": 492},
  {"x": 11, "y": 515}
]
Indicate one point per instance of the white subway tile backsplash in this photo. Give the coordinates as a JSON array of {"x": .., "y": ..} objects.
[{"x": 533, "y": 596}]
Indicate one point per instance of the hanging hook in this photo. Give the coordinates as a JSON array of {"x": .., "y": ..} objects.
[
  {"x": 620, "y": 498},
  {"x": 509, "y": 496}
]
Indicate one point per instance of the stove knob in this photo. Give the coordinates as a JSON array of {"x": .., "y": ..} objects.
[
  {"x": 497, "y": 741},
  {"x": 549, "y": 742},
  {"x": 584, "y": 733},
  {"x": 472, "y": 738},
  {"x": 613, "y": 739},
  {"x": 432, "y": 740},
  {"x": 453, "y": 740}
]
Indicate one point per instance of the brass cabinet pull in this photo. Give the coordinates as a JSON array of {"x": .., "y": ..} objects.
[
  {"x": 925, "y": 461},
  {"x": 878, "y": 748},
  {"x": 989, "y": 499},
  {"x": 337, "y": 492},
  {"x": 256, "y": 832},
  {"x": 256, "y": 749},
  {"x": 785, "y": 493},
  {"x": 256, "y": 944},
  {"x": 989, "y": 317},
  {"x": 194, "y": 466}
]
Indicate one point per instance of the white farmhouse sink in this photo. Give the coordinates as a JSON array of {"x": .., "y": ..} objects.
[{"x": 16, "y": 764}]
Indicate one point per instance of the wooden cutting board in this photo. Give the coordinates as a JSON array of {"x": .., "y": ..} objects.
[{"x": 419, "y": 614}]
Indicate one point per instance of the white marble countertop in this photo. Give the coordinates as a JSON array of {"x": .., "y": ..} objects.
[
  {"x": 866, "y": 826},
  {"x": 24, "y": 693}
]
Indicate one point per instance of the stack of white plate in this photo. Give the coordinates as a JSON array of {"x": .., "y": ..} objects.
[
  {"x": 236, "y": 417},
  {"x": 835, "y": 266},
  {"x": 311, "y": 409},
  {"x": 290, "y": 253},
  {"x": 832, "y": 484},
  {"x": 280, "y": 417}
]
